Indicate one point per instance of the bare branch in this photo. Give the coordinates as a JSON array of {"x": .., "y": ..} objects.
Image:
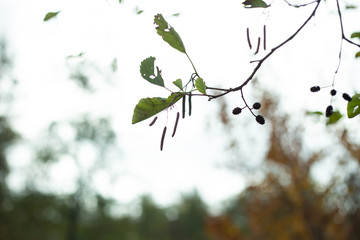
[
  {"x": 301, "y": 5},
  {"x": 343, "y": 37},
  {"x": 342, "y": 26},
  {"x": 261, "y": 61}
]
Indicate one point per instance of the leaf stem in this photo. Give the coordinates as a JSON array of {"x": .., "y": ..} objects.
[
  {"x": 192, "y": 64},
  {"x": 218, "y": 89},
  {"x": 243, "y": 98}
]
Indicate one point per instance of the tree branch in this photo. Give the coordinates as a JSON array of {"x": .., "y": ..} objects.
[
  {"x": 260, "y": 62},
  {"x": 301, "y": 5},
  {"x": 342, "y": 26},
  {"x": 343, "y": 37}
]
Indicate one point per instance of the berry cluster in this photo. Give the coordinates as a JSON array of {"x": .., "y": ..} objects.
[
  {"x": 329, "y": 110},
  {"x": 260, "y": 119}
]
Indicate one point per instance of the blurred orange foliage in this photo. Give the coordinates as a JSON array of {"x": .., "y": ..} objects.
[{"x": 287, "y": 203}]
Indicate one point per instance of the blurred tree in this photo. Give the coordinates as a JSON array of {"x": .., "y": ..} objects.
[
  {"x": 8, "y": 135},
  {"x": 287, "y": 203},
  {"x": 39, "y": 212},
  {"x": 87, "y": 134},
  {"x": 100, "y": 224},
  {"x": 190, "y": 222},
  {"x": 152, "y": 223},
  {"x": 32, "y": 213},
  {"x": 35, "y": 216}
]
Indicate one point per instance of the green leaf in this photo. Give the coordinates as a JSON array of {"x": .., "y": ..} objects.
[
  {"x": 50, "y": 15},
  {"x": 315, "y": 113},
  {"x": 148, "y": 107},
  {"x": 147, "y": 71},
  {"x": 357, "y": 55},
  {"x": 76, "y": 56},
  {"x": 200, "y": 85},
  {"x": 178, "y": 83},
  {"x": 355, "y": 35},
  {"x": 168, "y": 33},
  {"x": 334, "y": 118},
  {"x": 353, "y": 107},
  {"x": 350, "y": 6},
  {"x": 138, "y": 11},
  {"x": 255, "y": 4}
]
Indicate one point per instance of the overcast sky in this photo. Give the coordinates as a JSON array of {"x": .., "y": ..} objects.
[{"x": 214, "y": 35}]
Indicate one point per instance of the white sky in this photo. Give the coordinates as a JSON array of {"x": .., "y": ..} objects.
[{"x": 214, "y": 35}]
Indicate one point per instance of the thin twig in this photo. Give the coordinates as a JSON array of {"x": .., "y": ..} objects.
[
  {"x": 342, "y": 26},
  {"x": 192, "y": 64},
  {"x": 301, "y": 5},
  {"x": 343, "y": 37},
  {"x": 351, "y": 42},
  {"x": 261, "y": 61},
  {"x": 243, "y": 98},
  {"x": 218, "y": 89}
]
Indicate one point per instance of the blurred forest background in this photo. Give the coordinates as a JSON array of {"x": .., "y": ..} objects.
[{"x": 282, "y": 199}]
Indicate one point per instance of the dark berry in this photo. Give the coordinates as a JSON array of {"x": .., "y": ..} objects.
[
  {"x": 329, "y": 111},
  {"x": 315, "y": 89},
  {"x": 256, "y": 105},
  {"x": 236, "y": 111},
  {"x": 346, "y": 97},
  {"x": 333, "y": 92},
  {"x": 260, "y": 119}
]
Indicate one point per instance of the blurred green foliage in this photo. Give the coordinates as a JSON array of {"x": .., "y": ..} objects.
[
  {"x": 36, "y": 214},
  {"x": 269, "y": 209}
]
